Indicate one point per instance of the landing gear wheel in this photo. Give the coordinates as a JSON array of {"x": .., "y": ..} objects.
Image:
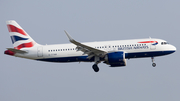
[
  {"x": 95, "y": 68},
  {"x": 154, "y": 64}
]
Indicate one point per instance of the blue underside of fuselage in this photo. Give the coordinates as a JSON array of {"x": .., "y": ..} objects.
[{"x": 127, "y": 56}]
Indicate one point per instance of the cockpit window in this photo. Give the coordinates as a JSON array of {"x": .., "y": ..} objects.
[{"x": 164, "y": 43}]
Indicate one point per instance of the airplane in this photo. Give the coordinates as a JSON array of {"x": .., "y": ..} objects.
[{"x": 112, "y": 53}]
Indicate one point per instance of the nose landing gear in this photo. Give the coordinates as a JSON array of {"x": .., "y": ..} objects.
[{"x": 153, "y": 64}]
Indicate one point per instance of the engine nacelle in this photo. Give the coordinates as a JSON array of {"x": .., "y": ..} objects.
[{"x": 115, "y": 59}]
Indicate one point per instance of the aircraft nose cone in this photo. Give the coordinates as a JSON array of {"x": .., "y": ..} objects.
[{"x": 174, "y": 48}]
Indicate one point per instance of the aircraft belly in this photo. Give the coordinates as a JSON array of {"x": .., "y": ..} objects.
[
  {"x": 67, "y": 59},
  {"x": 147, "y": 54}
]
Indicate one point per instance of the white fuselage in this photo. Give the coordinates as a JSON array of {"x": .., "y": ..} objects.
[{"x": 135, "y": 48}]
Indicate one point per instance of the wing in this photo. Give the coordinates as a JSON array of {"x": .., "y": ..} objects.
[{"x": 90, "y": 51}]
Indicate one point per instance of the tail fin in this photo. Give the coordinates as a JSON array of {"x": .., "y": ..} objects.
[{"x": 20, "y": 39}]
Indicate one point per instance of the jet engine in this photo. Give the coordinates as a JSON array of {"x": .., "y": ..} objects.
[{"x": 115, "y": 59}]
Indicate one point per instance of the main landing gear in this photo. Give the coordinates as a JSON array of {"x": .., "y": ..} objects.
[
  {"x": 153, "y": 64},
  {"x": 95, "y": 66}
]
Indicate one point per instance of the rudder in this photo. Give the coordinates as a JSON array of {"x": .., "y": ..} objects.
[{"x": 20, "y": 39}]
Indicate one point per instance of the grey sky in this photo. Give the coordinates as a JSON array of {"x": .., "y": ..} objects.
[{"x": 46, "y": 20}]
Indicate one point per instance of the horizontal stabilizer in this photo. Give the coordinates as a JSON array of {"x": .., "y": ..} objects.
[{"x": 16, "y": 50}]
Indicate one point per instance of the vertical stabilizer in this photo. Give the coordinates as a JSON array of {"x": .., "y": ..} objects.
[{"x": 20, "y": 39}]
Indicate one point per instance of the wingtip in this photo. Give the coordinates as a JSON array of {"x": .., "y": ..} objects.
[
  {"x": 65, "y": 31},
  {"x": 69, "y": 37}
]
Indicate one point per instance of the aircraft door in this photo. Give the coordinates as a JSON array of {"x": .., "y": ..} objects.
[
  {"x": 40, "y": 51},
  {"x": 152, "y": 47}
]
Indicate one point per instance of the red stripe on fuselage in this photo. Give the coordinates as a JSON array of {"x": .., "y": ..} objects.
[
  {"x": 12, "y": 28},
  {"x": 25, "y": 45},
  {"x": 148, "y": 42}
]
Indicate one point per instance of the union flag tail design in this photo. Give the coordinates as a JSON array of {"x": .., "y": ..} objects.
[{"x": 20, "y": 39}]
